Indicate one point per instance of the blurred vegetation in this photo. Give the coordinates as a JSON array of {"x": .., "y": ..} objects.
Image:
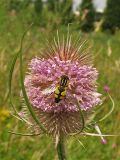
[
  {"x": 60, "y": 12},
  {"x": 87, "y": 13},
  {"x": 18, "y": 5},
  {"x": 111, "y": 16},
  {"x": 15, "y": 17}
]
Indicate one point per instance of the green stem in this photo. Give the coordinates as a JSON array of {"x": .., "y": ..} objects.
[
  {"x": 61, "y": 149},
  {"x": 24, "y": 91}
]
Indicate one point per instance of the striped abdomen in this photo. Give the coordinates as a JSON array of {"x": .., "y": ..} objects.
[
  {"x": 60, "y": 91},
  {"x": 60, "y": 94}
]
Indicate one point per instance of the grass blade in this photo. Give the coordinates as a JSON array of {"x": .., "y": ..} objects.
[
  {"x": 21, "y": 134},
  {"x": 109, "y": 113}
]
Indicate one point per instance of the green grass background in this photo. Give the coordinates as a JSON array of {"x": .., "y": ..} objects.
[{"x": 106, "y": 49}]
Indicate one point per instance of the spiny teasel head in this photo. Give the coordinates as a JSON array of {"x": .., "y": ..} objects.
[{"x": 54, "y": 98}]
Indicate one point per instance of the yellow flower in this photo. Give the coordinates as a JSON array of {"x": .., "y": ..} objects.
[{"x": 4, "y": 114}]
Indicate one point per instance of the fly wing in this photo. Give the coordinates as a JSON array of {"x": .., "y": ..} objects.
[{"x": 48, "y": 90}]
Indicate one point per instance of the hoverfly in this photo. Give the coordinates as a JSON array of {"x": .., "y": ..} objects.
[{"x": 60, "y": 91}]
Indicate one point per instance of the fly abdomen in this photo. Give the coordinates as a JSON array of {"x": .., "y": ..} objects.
[
  {"x": 60, "y": 91},
  {"x": 59, "y": 94}
]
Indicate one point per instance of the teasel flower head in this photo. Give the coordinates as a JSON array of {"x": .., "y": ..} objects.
[{"x": 64, "y": 57}]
